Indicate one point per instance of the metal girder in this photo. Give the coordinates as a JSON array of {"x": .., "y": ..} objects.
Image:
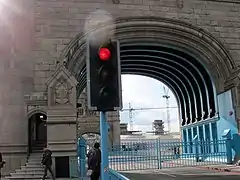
[
  {"x": 168, "y": 75},
  {"x": 181, "y": 72},
  {"x": 160, "y": 51}
]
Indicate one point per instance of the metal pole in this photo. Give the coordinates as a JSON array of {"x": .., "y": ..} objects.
[{"x": 104, "y": 146}]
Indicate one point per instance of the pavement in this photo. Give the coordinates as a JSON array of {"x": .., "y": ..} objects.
[
  {"x": 223, "y": 168},
  {"x": 181, "y": 174}
]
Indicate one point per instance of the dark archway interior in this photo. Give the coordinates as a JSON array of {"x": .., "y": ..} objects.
[
  {"x": 182, "y": 73},
  {"x": 37, "y": 130}
]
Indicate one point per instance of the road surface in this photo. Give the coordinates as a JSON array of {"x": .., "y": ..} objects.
[{"x": 181, "y": 174}]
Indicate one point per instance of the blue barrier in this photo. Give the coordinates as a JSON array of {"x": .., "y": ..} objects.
[{"x": 114, "y": 175}]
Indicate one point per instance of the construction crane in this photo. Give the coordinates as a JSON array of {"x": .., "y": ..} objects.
[
  {"x": 167, "y": 97},
  {"x": 130, "y": 109}
]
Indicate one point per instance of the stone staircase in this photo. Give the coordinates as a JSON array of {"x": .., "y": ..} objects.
[{"x": 32, "y": 170}]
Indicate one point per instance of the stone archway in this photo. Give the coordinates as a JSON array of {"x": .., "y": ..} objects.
[{"x": 187, "y": 44}]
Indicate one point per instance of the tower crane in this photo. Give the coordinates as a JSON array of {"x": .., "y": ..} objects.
[
  {"x": 130, "y": 109},
  {"x": 167, "y": 97}
]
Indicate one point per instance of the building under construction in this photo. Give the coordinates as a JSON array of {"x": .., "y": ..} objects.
[{"x": 158, "y": 126}]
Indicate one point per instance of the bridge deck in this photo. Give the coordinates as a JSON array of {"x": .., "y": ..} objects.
[{"x": 181, "y": 174}]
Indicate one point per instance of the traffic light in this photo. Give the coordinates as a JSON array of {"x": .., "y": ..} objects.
[{"x": 103, "y": 76}]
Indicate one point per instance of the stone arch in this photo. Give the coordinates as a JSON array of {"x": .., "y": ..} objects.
[
  {"x": 194, "y": 40},
  {"x": 89, "y": 132},
  {"x": 36, "y": 111}
]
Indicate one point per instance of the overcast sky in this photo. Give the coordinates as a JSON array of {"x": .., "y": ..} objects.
[{"x": 144, "y": 92}]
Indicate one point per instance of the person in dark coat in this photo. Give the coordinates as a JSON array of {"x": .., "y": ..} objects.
[
  {"x": 95, "y": 162},
  {"x": 47, "y": 162},
  {"x": 1, "y": 164},
  {"x": 89, "y": 156}
]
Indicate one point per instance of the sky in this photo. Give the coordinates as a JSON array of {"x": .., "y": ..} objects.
[{"x": 144, "y": 92}]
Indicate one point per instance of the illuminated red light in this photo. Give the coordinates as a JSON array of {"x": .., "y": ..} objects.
[{"x": 104, "y": 54}]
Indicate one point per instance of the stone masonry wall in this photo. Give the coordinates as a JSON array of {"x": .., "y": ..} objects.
[{"x": 59, "y": 21}]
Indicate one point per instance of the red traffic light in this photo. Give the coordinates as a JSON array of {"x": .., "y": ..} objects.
[{"x": 104, "y": 54}]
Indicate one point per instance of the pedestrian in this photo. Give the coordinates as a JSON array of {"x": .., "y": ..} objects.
[
  {"x": 89, "y": 156},
  {"x": 95, "y": 162},
  {"x": 47, "y": 162},
  {"x": 2, "y": 163}
]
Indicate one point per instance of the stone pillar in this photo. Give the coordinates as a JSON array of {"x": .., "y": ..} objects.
[
  {"x": 13, "y": 109},
  {"x": 114, "y": 122},
  {"x": 62, "y": 114}
]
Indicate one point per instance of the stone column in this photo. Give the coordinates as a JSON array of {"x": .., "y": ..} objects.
[
  {"x": 114, "y": 121},
  {"x": 62, "y": 114}
]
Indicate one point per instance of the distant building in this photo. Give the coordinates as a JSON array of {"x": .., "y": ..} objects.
[
  {"x": 143, "y": 137},
  {"x": 123, "y": 128},
  {"x": 158, "y": 126}
]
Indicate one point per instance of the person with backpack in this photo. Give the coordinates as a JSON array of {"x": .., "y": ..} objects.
[
  {"x": 47, "y": 162},
  {"x": 95, "y": 162}
]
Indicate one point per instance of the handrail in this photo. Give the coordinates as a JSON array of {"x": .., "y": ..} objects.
[{"x": 114, "y": 175}]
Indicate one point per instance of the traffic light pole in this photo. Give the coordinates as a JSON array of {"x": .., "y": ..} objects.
[{"x": 104, "y": 146}]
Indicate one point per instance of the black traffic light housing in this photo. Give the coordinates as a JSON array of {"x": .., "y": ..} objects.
[{"x": 104, "y": 76}]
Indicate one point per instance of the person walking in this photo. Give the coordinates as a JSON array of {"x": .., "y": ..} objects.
[
  {"x": 95, "y": 163},
  {"x": 47, "y": 162},
  {"x": 2, "y": 163},
  {"x": 89, "y": 156}
]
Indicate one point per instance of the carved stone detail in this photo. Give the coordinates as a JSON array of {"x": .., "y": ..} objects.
[
  {"x": 61, "y": 89},
  {"x": 62, "y": 92}
]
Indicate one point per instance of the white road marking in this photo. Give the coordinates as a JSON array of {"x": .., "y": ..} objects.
[{"x": 170, "y": 175}]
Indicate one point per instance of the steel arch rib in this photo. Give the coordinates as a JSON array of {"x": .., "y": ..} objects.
[
  {"x": 164, "y": 52},
  {"x": 163, "y": 69},
  {"x": 174, "y": 55},
  {"x": 160, "y": 63},
  {"x": 148, "y": 71},
  {"x": 187, "y": 92}
]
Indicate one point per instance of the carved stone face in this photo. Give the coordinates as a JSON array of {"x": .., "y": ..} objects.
[{"x": 180, "y": 3}]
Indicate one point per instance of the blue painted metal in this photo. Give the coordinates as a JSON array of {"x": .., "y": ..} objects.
[
  {"x": 114, "y": 175},
  {"x": 196, "y": 148},
  {"x": 157, "y": 154},
  {"x": 228, "y": 137},
  {"x": 236, "y": 146},
  {"x": 226, "y": 121},
  {"x": 104, "y": 146},
  {"x": 73, "y": 168},
  {"x": 82, "y": 156}
]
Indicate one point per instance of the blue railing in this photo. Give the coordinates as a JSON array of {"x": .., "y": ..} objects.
[
  {"x": 81, "y": 170},
  {"x": 158, "y": 154},
  {"x": 114, "y": 175}
]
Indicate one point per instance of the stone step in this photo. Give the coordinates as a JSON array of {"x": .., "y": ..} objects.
[
  {"x": 38, "y": 151},
  {"x": 29, "y": 171},
  {"x": 35, "y": 159},
  {"x": 31, "y": 168},
  {"x": 34, "y": 163},
  {"x": 26, "y": 174},
  {"x": 24, "y": 177},
  {"x": 38, "y": 154}
]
